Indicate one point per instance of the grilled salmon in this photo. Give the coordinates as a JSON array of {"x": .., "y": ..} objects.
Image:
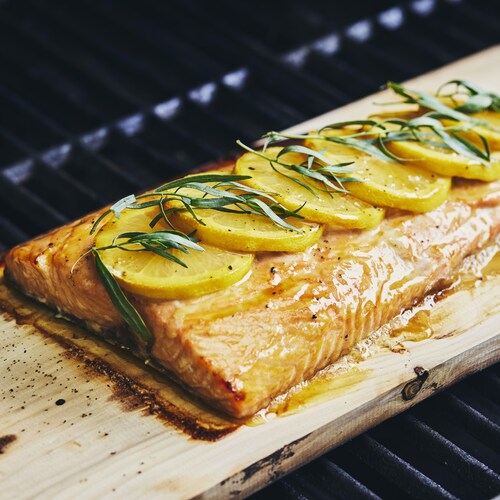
[{"x": 291, "y": 316}]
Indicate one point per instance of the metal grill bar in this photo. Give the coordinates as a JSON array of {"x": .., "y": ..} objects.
[
  {"x": 392, "y": 466},
  {"x": 469, "y": 419},
  {"x": 447, "y": 452}
]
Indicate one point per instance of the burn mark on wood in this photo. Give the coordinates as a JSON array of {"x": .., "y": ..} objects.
[
  {"x": 274, "y": 462},
  {"x": 6, "y": 441},
  {"x": 273, "y": 467}
]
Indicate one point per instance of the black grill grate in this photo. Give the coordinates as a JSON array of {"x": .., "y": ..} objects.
[{"x": 98, "y": 99}]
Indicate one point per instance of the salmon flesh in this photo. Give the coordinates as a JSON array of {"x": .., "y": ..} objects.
[{"x": 294, "y": 314}]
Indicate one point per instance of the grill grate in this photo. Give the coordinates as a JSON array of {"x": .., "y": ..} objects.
[{"x": 99, "y": 99}]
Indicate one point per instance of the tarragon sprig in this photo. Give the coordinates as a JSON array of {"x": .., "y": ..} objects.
[
  {"x": 225, "y": 194},
  {"x": 364, "y": 137},
  {"x": 315, "y": 166},
  {"x": 429, "y": 102},
  {"x": 476, "y": 98},
  {"x": 371, "y": 136},
  {"x": 123, "y": 305},
  {"x": 219, "y": 192},
  {"x": 430, "y": 131},
  {"x": 157, "y": 242},
  {"x": 467, "y": 97}
]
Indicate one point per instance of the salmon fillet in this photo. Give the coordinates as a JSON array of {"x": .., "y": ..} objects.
[{"x": 292, "y": 316}]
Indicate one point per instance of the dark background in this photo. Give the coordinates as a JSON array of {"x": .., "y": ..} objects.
[{"x": 106, "y": 97}]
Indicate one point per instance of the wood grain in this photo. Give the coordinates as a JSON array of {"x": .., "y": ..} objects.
[{"x": 92, "y": 446}]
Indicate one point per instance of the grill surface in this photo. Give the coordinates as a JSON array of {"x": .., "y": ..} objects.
[{"x": 99, "y": 99}]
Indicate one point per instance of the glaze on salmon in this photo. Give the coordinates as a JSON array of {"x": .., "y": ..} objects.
[{"x": 291, "y": 316}]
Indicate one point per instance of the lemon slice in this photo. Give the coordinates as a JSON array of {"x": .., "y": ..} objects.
[
  {"x": 388, "y": 184},
  {"x": 243, "y": 232},
  {"x": 492, "y": 135},
  {"x": 151, "y": 275},
  {"x": 446, "y": 162},
  {"x": 247, "y": 233},
  {"x": 330, "y": 208}
]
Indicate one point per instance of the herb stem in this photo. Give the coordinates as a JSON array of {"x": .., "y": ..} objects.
[{"x": 125, "y": 308}]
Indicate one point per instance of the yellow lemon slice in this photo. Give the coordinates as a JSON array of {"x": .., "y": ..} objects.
[
  {"x": 243, "y": 232},
  {"x": 151, "y": 275},
  {"x": 330, "y": 208},
  {"x": 386, "y": 183},
  {"x": 490, "y": 133},
  {"x": 446, "y": 162}
]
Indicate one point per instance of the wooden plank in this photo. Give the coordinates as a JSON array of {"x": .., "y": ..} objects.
[{"x": 98, "y": 445}]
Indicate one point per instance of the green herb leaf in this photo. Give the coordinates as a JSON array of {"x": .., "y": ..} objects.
[
  {"x": 174, "y": 239},
  {"x": 477, "y": 99},
  {"x": 363, "y": 145},
  {"x": 426, "y": 101},
  {"x": 310, "y": 153},
  {"x": 202, "y": 178},
  {"x": 266, "y": 209},
  {"x": 351, "y": 123},
  {"x": 127, "y": 311},
  {"x": 476, "y": 103},
  {"x": 316, "y": 166},
  {"x": 117, "y": 209}
]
